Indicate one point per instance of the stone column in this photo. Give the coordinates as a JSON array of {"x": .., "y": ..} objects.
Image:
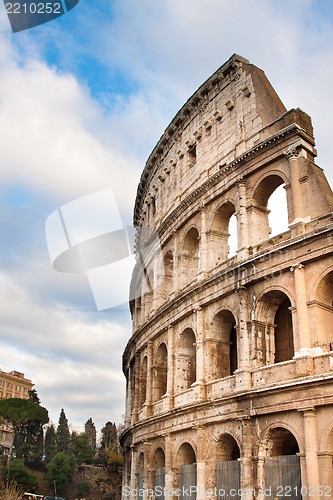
[
  {"x": 311, "y": 458},
  {"x": 303, "y": 340},
  {"x": 176, "y": 263},
  {"x": 246, "y": 480},
  {"x": 149, "y": 386},
  {"x": 292, "y": 157},
  {"x": 242, "y": 222},
  {"x": 170, "y": 367},
  {"x": 201, "y": 464},
  {"x": 168, "y": 467},
  {"x": 146, "y": 468},
  {"x": 326, "y": 473},
  {"x": 200, "y": 361},
  {"x": 203, "y": 243},
  {"x": 136, "y": 389},
  {"x": 133, "y": 480},
  {"x": 243, "y": 372}
]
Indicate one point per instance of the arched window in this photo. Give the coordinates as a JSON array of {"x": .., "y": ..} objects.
[
  {"x": 143, "y": 382},
  {"x": 160, "y": 373},
  {"x": 227, "y": 468},
  {"x": 323, "y": 312},
  {"x": 223, "y": 234},
  {"x": 225, "y": 345},
  {"x": 282, "y": 464},
  {"x": 283, "y": 333},
  {"x": 186, "y": 360},
  {"x": 158, "y": 470},
  {"x": 167, "y": 283},
  {"x": 190, "y": 255},
  {"x": 261, "y": 216},
  {"x": 273, "y": 329},
  {"x": 186, "y": 461}
]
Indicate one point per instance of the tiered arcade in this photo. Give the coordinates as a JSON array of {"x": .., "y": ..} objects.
[{"x": 230, "y": 366}]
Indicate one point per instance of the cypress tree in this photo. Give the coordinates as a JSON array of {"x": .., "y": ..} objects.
[
  {"x": 90, "y": 429},
  {"x": 50, "y": 443},
  {"x": 63, "y": 435}
]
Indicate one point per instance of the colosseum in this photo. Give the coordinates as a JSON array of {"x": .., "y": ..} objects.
[{"x": 230, "y": 365}]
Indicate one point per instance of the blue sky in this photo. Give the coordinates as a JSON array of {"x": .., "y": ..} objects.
[{"x": 83, "y": 100}]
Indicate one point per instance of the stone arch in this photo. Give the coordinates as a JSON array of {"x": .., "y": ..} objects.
[
  {"x": 219, "y": 232},
  {"x": 160, "y": 372},
  {"x": 224, "y": 355},
  {"x": 273, "y": 328},
  {"x": 273, "y": 437},
  {"x": 143, "y": 381},
  {"x": 259, "y": 221},
  {"x": 227, "y": 448},
  {"x": 167, "y": 283},
  {"x": 185, "y": 454},
  {"x": 281, "y": 467},
  {"x": 190, "y": 255},
  {"x": 322, "y": 310},
  {"x": 186, "y": 360}
]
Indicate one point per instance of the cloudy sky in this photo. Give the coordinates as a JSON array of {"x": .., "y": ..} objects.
[{"x": 83, "y": 100}]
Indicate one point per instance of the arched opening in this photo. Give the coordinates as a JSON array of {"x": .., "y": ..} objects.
[
  {"x": 282, "y": 464},
  {"x": 167, "y": 284},
  {"x": 143, "y": 382},
  {"x": 322, "y": 311},
  {"x": 223, "y": 234},
  {"x": 227, "y": 468},
  {"x": 283, "y": 333},
  {"x": 186, "y": 460},
  {"x": 160, "y": 372},
  {"x": 140, "y": 471},
  {"x": 261, "y": 215},
  {"x": 186, "y": 360},
  {"x": 190, "y": 255},
  {"x": 224, "y": 354},
  {"x": 278, "y": 211},
  {"x": 273, "y": 329},
  {"x": 158, "y": 472}
]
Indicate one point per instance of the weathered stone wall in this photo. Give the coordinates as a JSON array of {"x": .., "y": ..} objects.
[{"x": 231, "y": 357}]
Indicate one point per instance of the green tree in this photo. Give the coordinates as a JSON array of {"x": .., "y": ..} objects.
[
  {"x": 83, "y": 488},
  {"x": 90, "y": 429},
  {"x": 27, "y": 418},
  {"x": 114, "y": 455},
  {"x": 20, "y": 474},
  {"x": 63, "y": 435},
  {"x": 60, "y": 470},
  {"x": 109, "y": 435},
  {"x": 81, "y": 448},
  {"x": 50, "y": 443}
]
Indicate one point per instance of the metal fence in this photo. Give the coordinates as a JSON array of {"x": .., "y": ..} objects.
[
  {"x": 282, "y": 477},
  {"x": 188, "y": 482},
  {"x": 227, "y": 475},
  {"x": 159, "y": 484}
]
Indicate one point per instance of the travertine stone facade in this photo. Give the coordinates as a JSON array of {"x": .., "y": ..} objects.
[{"x": 230, "y": 365}]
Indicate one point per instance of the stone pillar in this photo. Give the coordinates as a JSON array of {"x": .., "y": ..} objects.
[
  {"x": 170, "y": 367},
  {"x": 203, "y": 243},
  {"x": 133, "y": 482},
  {"x": 136, "y": 389},
  {"x": 243, "y": 372},
  {"x": 176, "y": 263},
  {"x": 146, "y": 468},
  {"x": 242, "y": 222},
  {"x": 292, "y": 157},
  {"x": 201, "y": 463},
  {"x": 304, "y": 363},
  {"x": 200, "y": 361},
  {"x": 246, "y": 460},
  {"x": 168, "y": 467},
  {"x": 311, "y": 458},
  {"x": 149, "y": 387}
]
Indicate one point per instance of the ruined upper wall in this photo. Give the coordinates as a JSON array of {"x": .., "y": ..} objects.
[{"x": 228, "y": 115}]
